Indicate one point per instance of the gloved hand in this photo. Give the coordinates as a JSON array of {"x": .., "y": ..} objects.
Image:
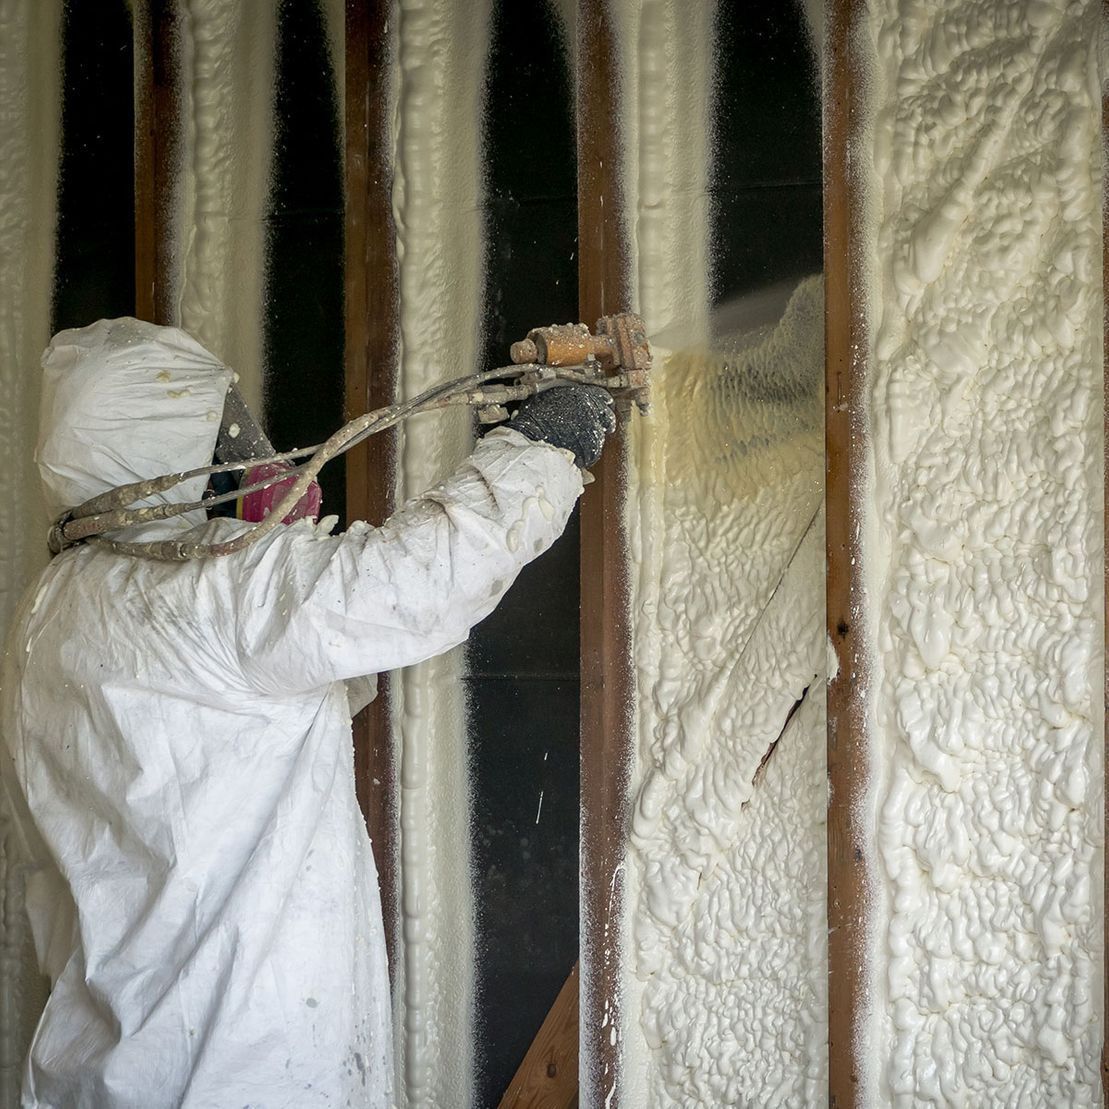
[{"x": 576, "y": 417}]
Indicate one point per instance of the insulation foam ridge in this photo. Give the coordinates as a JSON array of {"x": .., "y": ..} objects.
[
  {"x": 440, "y": 64},
  {"x": 985, "y": 562},
  {"x": 218, "y": 255}
]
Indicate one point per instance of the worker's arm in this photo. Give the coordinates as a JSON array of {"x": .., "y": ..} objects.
[{"x": 314, "y": 610}]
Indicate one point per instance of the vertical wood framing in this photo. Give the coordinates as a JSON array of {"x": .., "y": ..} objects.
[
  {"x": 606, "y": 678},
  {"x": 371, "y": 326},
  {"x": 156, "y": 154},
  {"x": 845, "y": 355},
  {"x": 145, "y": 140}
]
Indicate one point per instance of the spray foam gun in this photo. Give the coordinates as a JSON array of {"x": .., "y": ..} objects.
[{"x": 615, "y": 356}]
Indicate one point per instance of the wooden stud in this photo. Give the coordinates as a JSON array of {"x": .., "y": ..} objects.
[
  {"x": 548, "y": 1076},
  {"x": 372, "y": 322},
  {"x": 845, "y": 355},
  {"x": 157, "y": 150},
  {"x": 606, "y": 675}
]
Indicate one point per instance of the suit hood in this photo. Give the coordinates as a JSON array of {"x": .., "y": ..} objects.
[{"x": 122, "y": 401}]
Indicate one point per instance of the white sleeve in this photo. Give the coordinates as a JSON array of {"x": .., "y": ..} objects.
[{"x": 312, "y": 610}]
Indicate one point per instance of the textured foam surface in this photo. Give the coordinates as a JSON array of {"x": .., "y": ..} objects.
[
  {"x": 30, "y": 46},
  {"x": 723, "y": 1000},
  {"x": 728, "y": 829},
  {"x": 984, "y": 558},
  {"x": 217, "y": 263}
]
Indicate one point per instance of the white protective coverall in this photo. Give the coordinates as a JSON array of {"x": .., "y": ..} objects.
[{"x": 203, "y": 896}]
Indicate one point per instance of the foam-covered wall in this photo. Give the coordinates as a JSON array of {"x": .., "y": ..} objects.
[
  {"x": 983, "y": 552},
  {"x": 217, "y": 267},
  {"x": 724, "y": 988},
  {"x": 30, "y": 52},
  {"x": 440, "y": 65},
  {"x": 982, "y": 556}
]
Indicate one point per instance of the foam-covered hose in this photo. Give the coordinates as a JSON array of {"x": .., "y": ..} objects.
[{"x": 575, "y": 417}]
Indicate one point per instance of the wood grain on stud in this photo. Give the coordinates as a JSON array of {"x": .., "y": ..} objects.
[
  {"x": 1105, "y": 628},
  {"x": 845, "y": 354},
  {"x": 606, "y": 675},
  {"x": 372, "y": 323},
  {"x": 548, "y": 1076}
]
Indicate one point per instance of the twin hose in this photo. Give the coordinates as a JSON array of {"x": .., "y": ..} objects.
[{"x": 110, "y": 512}]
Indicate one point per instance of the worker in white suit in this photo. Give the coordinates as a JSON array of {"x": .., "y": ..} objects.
[{"x": 201, "y": 889}]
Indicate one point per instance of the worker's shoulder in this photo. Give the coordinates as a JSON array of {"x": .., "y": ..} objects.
[{"x": 110, "y": 578}]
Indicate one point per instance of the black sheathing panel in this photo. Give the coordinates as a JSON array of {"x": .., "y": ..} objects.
[
  {"x": 523, "y": 660},
  {"x": 303, "y": 313},
  {"x": 94, "y": 275},
  {"x": 765, "y": 178}
]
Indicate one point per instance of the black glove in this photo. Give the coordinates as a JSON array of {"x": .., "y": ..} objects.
[{"x": 576, "y": 417}]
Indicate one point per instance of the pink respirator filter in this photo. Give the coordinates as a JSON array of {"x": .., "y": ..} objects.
[{"x": 255, "y": 507}]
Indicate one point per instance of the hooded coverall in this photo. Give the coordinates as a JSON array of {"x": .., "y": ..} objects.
[{"x": 202, "y": 893}]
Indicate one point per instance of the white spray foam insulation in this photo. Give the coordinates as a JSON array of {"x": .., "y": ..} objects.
[
  {"x": 725, "y": 987},
  {"x": 437, "y": 199},
  {"x": 666, "y": 91},
  {"x": 728, "y": 831},
  {"x": 226, "y": 53},
  {"x": 30, "y": 111},
  {"x": 984, "y": 553}
]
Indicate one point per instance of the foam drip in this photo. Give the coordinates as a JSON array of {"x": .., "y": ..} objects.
[
  {"x": 30, "y": 100},
  {"x": 984, "y": 553},
  {"x": 437, "y": 208}
]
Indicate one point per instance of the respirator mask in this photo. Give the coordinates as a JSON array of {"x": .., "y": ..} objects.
[{"x": 241, "y": 439}]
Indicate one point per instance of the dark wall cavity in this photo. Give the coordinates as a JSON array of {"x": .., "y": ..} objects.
[
  {"x": 523, "y": 683},
  {"x": 766, "y": 174},
  {"x": 94, "y": 275},
  {"x": 303, "y": 315}
]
